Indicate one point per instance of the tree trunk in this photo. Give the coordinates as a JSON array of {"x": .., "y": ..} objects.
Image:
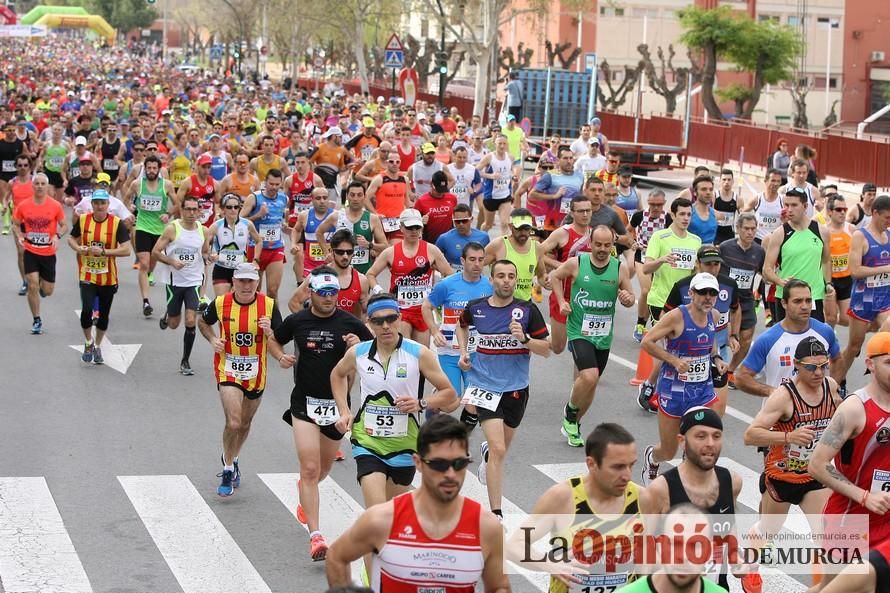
[
  {"x": 670, "y": 104},
  {"x": 756, "y": 90},
  {"x": 483, "y": 81},
  {"x": 708, "y": 78},
  {"x": 358, "y": 44}
]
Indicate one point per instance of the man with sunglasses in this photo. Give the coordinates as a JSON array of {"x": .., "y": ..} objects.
[
  {"x": 411, "y": 263},
  {"x": 183, "y": 247},
  {"x": 686, "y": 380},
  {"x": 435, "y": 518},
  {"x": 840, "y": 242},
  {"x": 353, "y": 295},
  {"x": 452, "y": 243},
  {"x": 385, "y": 428},
  {"x": 369, "y": 239},
  {"x": 321, "y": 333},
  {"x": 240, "y": 181},
  {"x": 791, "y": 423}
]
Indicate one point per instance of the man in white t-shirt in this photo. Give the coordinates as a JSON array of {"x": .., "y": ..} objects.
[{"x": 593, "y": 161}]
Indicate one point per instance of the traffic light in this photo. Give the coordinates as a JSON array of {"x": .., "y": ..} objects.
[
  {"x": 442, "y": 62},
  {"x": 151, "y": 1}
]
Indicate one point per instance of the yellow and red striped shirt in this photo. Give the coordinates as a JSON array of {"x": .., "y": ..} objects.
[
  {"x": 244, "y": 360},
  {"x": 100, "y": 270}
]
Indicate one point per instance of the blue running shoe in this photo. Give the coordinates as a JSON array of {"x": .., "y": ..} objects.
[
  {"x": 236, "y": 479},
  {"x": 225, "y": 486},
  {"x": 37, "y": 327},
  {"x": 87, "y": 355}
]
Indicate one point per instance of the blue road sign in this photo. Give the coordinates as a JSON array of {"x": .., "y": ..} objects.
[
  {"x": 216, "y": 52},
  {"x": 394, "y": 58}
]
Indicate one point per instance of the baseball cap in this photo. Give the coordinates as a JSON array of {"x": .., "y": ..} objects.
[
  {"x": 700, "y": 416},
  {"x": 709, "y": 253},
  {"x": 86, "y": 159},
  {"x": 246, "y": 271},
  {"x": 368, "y": 122},
  {"x": 869, "y": 187},
  {"x": 99, "y": 194},
  {"x": 324, "y": 284},
  {"x": 809, "y": 346},
  {"x": 421, "y": 115},
  {"x": 595, "y": 121},
  {"x": 410, "y": 217},
  {"x": 427, "y": 148},
  {"x": 103, "y": 178},
  {"x": 204, "y": 159},
  {"x": 704, "y": 280},
  {"x": 214, "y": 135},
  {"x": 594, "y": 140},
  {"x": 334, "y": 131},
  {"x": 521, "y": 220},
  {"x": 511, "y": 117},
  {"x": 440, "y": 181},
  {"x": 878, "y": 345},
  {"x": 80, "y": 141}
]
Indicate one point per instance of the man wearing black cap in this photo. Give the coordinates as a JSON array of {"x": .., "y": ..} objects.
[
  {"x": 437, "y": 208},
  {"x": 861, "y": 215},
  {"x": 698, "y": 479}
]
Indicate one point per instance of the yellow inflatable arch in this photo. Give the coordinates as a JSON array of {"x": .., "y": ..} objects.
[{"x": 68, "y": 21}]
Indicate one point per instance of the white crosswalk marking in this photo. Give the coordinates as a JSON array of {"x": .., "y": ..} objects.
[
  {"x": 36, "y": 554},
  {"x": 200, "y": 552},
  {"x": 337, "y": 509}
]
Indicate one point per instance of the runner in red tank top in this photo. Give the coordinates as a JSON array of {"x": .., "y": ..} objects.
[
  {"x": 202, "y": 187},
  {"x": 858, "y": 438},
  {"x": 299, "y": 186},
  {"x": 406, "y": 150},
  {"x": 567, "y": 241},
  {"x": 410, "y": 534}
]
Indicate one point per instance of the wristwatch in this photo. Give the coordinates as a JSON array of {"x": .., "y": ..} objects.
[
  {"x": 423, "y": 404},
  {"x": 526, "y": 340}
]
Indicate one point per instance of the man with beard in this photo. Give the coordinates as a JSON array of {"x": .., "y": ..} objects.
[
  {"x": 516, "y": 247},
  {"x": 153, "y": 206},
  {"x": 365, "y": 227},
  {"x": 353, "y": 294},
  {"x": 437, "y": 517},
  {"x": 698, "y": 479}
]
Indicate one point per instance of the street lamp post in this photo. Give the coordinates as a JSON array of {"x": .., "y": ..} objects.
[{"x": 442, "y": 57}]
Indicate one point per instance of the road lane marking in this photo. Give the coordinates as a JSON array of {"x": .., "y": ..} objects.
[
  {"x": 36, "y": 553},
  {"x": 117, "y": 356},
  {"x": 196, "y": 546},
  {"x": 337, "y": 509}
]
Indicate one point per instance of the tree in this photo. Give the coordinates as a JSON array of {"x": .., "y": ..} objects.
[
  {"x": 617, "y": 96},
  {"x": 658, "y": 77},
  {"x": 799, "y": 86},
  {"x": 508, "y": 62},
  {"x": 556, "y": 53},
  {"x": 124, "y": 15}
]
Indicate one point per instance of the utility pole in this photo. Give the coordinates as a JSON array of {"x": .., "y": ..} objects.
[{"x": 442, "y": 57}]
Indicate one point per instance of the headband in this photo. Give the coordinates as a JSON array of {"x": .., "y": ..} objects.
[{"x": 382, "y": 304}]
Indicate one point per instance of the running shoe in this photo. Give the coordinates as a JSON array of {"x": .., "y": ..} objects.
[
  {"x": 644, "y": 397},
  {"x": 730, "y": 380},
  {"x": 339, "y": 456},
  {"x": 483, "y": 465},
  {"x": 236, "y": 480},
  {"x": 146, "y": 309},
  {"x": 226, "y": 488},
  {"x": 162, "y": 322},
  {"x": 752, "y": 583},
  {"x": 151, "y": 279},
  {"x": 301, "y": 515},
  {"x": 87, "y": 355},
  {"x": 6, "y": 230},
  {"x": 37, "y": 327},
  {"x": 23, "y": 289},
  {"x": 650, "y": 468},
  {"x": 318, "y": 548},
  {"x": 572, "y": 432},
  {"x": 186, "y": 369},
  {"x": 639, "y": 332},
  {"x": 97, "y": 356}
]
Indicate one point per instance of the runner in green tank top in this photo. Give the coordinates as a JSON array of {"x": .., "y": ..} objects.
[
  {"x": 519, "y": 249},
  {"x": 367, "y": 228},
  {"x": 598, "y": 282},
  {"x": 150, "y": 204},
  {"x": 54, "y": 157},
  {"x": 362, "y": 259}
]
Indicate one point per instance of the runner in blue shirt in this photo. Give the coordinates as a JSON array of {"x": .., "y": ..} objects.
[{"x": 452, "y": 243}]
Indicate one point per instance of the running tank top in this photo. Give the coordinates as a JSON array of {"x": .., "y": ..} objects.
[
  {"x": 230, "y": 243},
  {"x": 839, "y": 245},
  {"x": 726, "y": 228},
  {"x": 769, "y": 216},
  {"x": 219, "y": 168},
  {"x": 299, "y": 195},
  {"x": 411, "y": 278},
  {"x": 180, "y": 167},
  {"x": 463, "y": 183},
  {"x": 390, "y": 199},
  {"x": 21, "y": 191},
  {"x": 361, "y": 257},
  {"x": 263, "y": 168},
  {"x": 873, "y": 292},
  {"x": 350, "y": 295},
  {"x": 694, "y": 346},
  {"x": 109, "y": 160},
  {"x": 499, "y": 189},
  {"x": 204, "y": 193},
  {"x": 314, "y": 255},
  {"x": 186, "y": 247},
  {"x": 585, "y": 517},
  {"x": 269, "y": 226},
  {"x": 540, "y": 209},
  {"x": 54, "y": 158},
  {"x": 788, "y": 462},
  {"x": 422, "y": 176},
  {"x": 150, "y": 205},
  {"x": 648, "y": 226},
  {"x": 241, "y": 188},
  {"x": 630, "y": 203},
  {"x": 592, "y": 296},
  {"x": 526, "y": 264},
  {"x": 800, "y": 256},
  {"x": 406, "y": 158},
  {"x": 410, "y": 561}
]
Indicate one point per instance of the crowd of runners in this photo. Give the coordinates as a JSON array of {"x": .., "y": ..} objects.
[{"x": 424, "y": 253}]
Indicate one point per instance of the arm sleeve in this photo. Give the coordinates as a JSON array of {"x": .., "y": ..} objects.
[
  {"x": 284, "y": 332},
  {"x": 618, "y": 224},
  {"x": 276, "y": 318},
  {"x": 362, "y": 331},
  {"x": 123, "y": 235},
  {"x": 637, "y": 219},
  {"x": 209, "y": 316},
  {"x": 673, "y": 301},
  {"x": 536, "y": 327},
  {"x": 466, "y": 318},
  {"x": 75, "y": 230}
]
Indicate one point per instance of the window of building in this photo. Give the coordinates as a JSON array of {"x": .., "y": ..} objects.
[
  {"x": 823, "y": 22},
  {"x": 819, "y": 82},
  {"x": 424, "y": 28},
  {"x": 793, "y": 20},
  {"x": 611, "y": 11},
  {"x": 641, "y": 11},
  {"x": 768, "y": 18},
  {"x": 617, "y": 75}
]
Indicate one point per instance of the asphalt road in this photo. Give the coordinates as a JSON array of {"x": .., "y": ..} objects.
[{"x": 123, "y": 467}]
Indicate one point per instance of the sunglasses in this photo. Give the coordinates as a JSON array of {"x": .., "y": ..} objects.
[
  {"x": 413, "y": 228},
  {"x": 344, "y": 251},
  {"x": 232, "y": 207},
  {"x": 460, "y": 220},
  {"x": 381, "y": 319},
  {"x": 443, "y": 465},
  {"x": 547, "y": 168},
  {"x": 613, "y": 162},
  {"x": 706, "y": 292},
  {"x": 839, "y": 209},
  {"x": 812, "y": 368}
]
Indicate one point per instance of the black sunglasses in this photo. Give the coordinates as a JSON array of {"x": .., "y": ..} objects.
[
  {"x": 706, "y": 291},
  {"x": 442, "y": 465},
  {"x": 381, "y": 319},
  {"x": 460, "y": 220},
  {"x": 344, "y": 251},
  {"x": 232, "y": 207}
]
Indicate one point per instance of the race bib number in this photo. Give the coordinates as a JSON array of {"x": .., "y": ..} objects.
[
  {"x": 271, "y": 233},
  {"x": 150, "y": 203},
  {"x": 596, "y": 326},
  {"x": 744, "y": 278},
  {"x": 390, "y": 225},
  {"x": 56, "y": 162},
  {"x": 316, "y": 253},
  {"x": 799, "y": 456},
  {"x": 243, "y": 368},
  {"x": 685, "y": 258},
  {"x": 361, "y": 255},
  {"x": 230, "y": 258},
  {"x": 186, "y": 255},
  {"x": 385, "y": 421},
  {"x": 602, "y": 583},
  {"x": 483, "y": 398},
  {"x": 769, "y": 223},
  {"x": 110, "y": 165},
  {"x": 38, "y": 238},
  {"x": 472, "y": 340},
  {"x": 322, "y": 411},
  {"x": 411, "y": 296},
  {"x": 724, "y": 318},
  {"x": 539, "y": 221},
  {"x": 880, "y": 481},
  {"x": 699, "y": 370},
  {"x": 728, "y": 220},
  {"x": 878, "y": 280},
  {"x": 9, "y": 166},
  {"x": 840, "y": 263},
  {"x": 564, "y": 206},
  {"x": 502, "y": 183},
  {"x": 96, "y": 264}
]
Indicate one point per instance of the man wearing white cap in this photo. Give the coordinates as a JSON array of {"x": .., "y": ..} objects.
[
  {"x": 686, "y": 380},
  {"x": 412, "y": 263},
  {"x": 593, "y": 161},
  {"x": 330, "y": 159}
]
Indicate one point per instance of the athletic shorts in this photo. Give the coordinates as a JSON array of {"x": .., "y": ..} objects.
[
  {"x": 555, "y": 313},
  {"x": 298, "y": 413},
  {"x": 655, "y": 313},
  {"x": 270, "y": 256},
  {"x": 843, "y": 287},
  {"x": 413, "y": 316},
  {"x": 749, "y": 318},
  {"x": 54, "y": 178},
  {"x": 255, "y": 394},
  {"x": 882, "y": 570},
  {"x": 511, "y": 408},
  {"x": 177, "y": 296},
  {"x": 43, "y": 265},
  {"x": 369, "y": 464},
  {"x": 588, "y": 356},
  {"x": 493, "y": 204},
  {"x": 679, "y": 404},
  {"x": 786, "y": 491},
  {"x": 145, "y": 241},
  {"x": 221, "y": 275}
]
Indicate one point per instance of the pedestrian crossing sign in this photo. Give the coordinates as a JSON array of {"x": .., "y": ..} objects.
[{"x": 394, "y": 58}]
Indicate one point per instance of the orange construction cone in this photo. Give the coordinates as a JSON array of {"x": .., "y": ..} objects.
[{"x": 644, "y": 368}]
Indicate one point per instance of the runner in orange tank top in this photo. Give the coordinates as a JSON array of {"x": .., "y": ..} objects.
[
  {"x": 240, "y": 181},
  {"x": 388, "y": 196},
  {"x": 839, "y": 246}
]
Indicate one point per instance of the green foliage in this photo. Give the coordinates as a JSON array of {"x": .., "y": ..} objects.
[
  {"x": 717, "y": 28},
  {"x": 766, "y": 48},
  {"x": 123, "y": 15},
  {"x": 734, "y": 92}
]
